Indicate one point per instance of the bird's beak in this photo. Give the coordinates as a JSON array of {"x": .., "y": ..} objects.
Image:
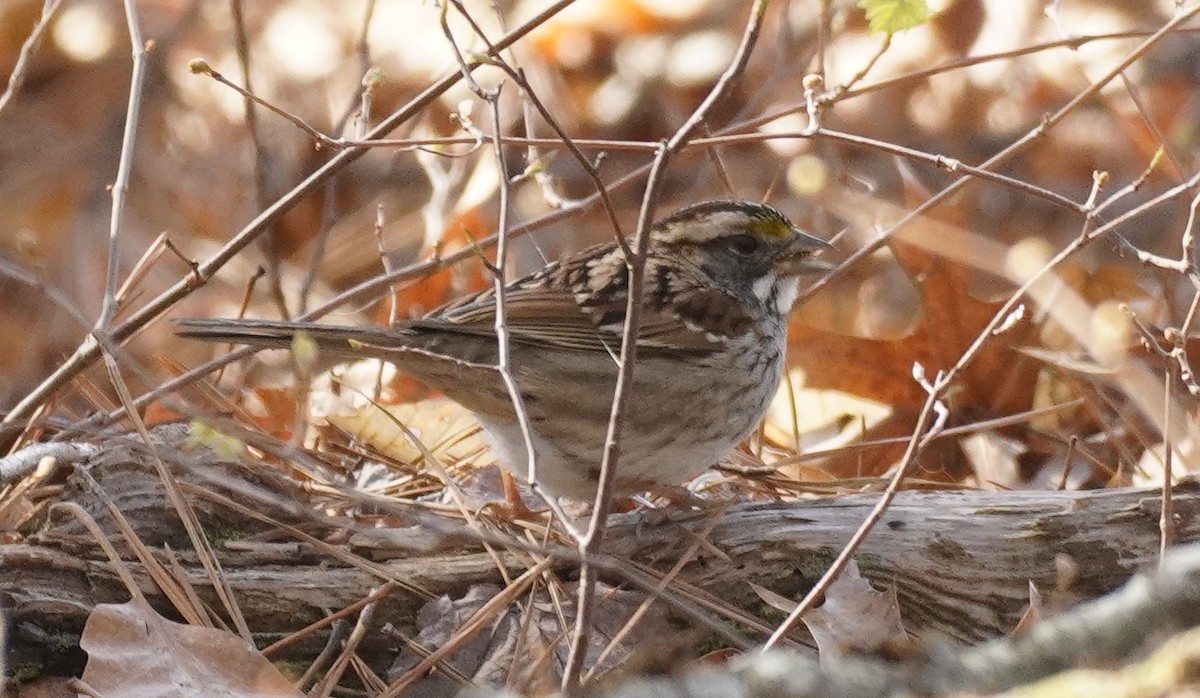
[{"x": 802, "y": 260}]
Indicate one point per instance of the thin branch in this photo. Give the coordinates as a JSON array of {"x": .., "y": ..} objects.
[
  {"x": 329, "y": 208},
  {"x": 21, "y": 68},
  {"x": 916, "y": 444},
  {"x": 504, "y": 342},
  {"x": 594, "y": 538},
  {"x": 636, "y": 267},
  {"x": 199, "y": 66},
  {"x": 1010, "y": 150},
  {"x": 518, "y": 76},
  {"x": 1166, "y": 516},
  {"x": 944, "y": 380},
  {"x": 88, "y": 351},
  {"x": 262, "y": 197},
  {"x": 120, "y": 187}
]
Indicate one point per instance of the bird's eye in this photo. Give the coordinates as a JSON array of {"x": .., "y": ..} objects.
[{"x": 744, "y": 244}]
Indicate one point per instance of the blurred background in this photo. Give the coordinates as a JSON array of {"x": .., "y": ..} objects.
[{"x": 975, "y": 78}]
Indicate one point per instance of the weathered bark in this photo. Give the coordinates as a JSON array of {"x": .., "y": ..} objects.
[
  {"x": 1108, "y": 633},
  {"x": 961, "y": 562}
]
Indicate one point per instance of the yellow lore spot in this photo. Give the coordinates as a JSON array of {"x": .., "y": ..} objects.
[{"x": 770, "y": 226}]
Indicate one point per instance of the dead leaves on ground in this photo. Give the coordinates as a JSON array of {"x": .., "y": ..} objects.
[{"x": 133, "y": 651}]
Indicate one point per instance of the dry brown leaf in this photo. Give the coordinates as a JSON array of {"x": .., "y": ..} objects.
[
  {"x": 993, "y": 459},
  {"x": 958, "y": 24},
  {"x": 881, "y": 370},
  {"x": 536, "y": 630},
  {"x": 133, "y": 651},
  {"x": 856, "y": 618},
  {"x": 999, "y": 381},
  {"x": 1033, "y": 614},
  {"x": 273, "y": 410},
  {"x": 444, "y": 285},
  {"x": 446, "y": 428},
  {"x": 946, "y": 262}
]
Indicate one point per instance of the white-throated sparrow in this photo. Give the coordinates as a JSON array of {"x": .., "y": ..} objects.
[{"x": 720, "y": 279}]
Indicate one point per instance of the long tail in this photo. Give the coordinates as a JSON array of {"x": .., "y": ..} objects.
[
  {"x": 333, "y": 339},
  {"x": 466, "y": 374}
]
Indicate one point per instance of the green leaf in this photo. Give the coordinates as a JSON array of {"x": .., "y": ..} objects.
[
  {"x": 891, "y": 16},
  {"x": 205, "y": 434},
  {"x": 305, "y": 351}
]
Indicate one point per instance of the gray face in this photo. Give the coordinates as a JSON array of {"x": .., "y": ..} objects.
[{"x": 749, "y": 251}]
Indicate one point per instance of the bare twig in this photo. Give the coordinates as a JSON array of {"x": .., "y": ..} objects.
[
  {"x": 1010, "y": 150},
  {"x": 329, "y": 208},
  {"x": 1166, "y": 516},
  {"x": 664, "y": 583},
  {"x": 593, "y": 540},
  {"x": 943, "y": 381},
  {"x": 88, "y": 351},
  {"x": 120, "y": 187},
  {"x": 636, "y": 266},
  {"x": 19, "y": 70},
  {"x": 923, "y": 434},
  {"x": 1165, "y": 144},
  {"x": 187, "y": 515},
  {"x": 473, "y": 624},
  {"x": 262, "y": 197},
  {"x": 199, "y": 66},
  {"x": 862, "y": 72},
  {"x": 499, "y": 283},
  {"x": 518, "y": 76}
]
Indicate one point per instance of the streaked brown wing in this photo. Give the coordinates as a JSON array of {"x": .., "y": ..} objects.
[
  {"x": 538, "y": 315},
  {"x": 532, "y": 314}
]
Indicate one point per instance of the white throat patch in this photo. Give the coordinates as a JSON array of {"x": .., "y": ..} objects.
[
  {"x": 786, "y": 297},
  {"x": 762, "y": 287},
  {"x": 785, "y": 291}
]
